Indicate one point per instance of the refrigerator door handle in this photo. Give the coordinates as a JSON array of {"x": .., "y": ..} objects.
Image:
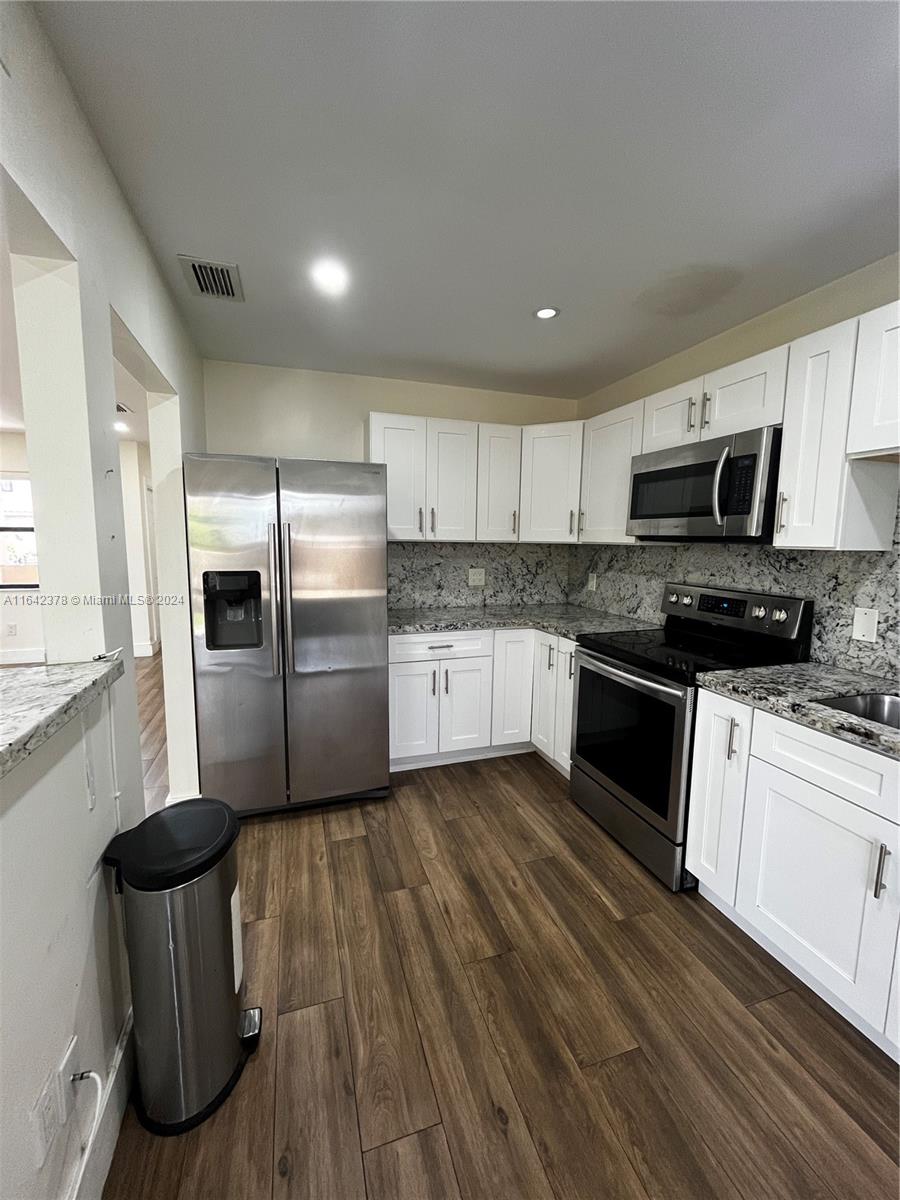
[
  {"x": 287, "y": 587},
  {"x": 273, "y": 599}
]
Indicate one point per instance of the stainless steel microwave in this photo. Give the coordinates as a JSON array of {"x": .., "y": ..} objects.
[{"x": 723, "y": 488}]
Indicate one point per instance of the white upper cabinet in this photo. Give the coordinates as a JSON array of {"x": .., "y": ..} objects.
[
  {"x": 610, "y": 440},
  {"x": 451, "y": 479},
  {"x": 875, "y": 408},
  {"x": 672, "y": 417},
  {"x": 499, "y": 468},
  {"x": 746, "y": 395},
  {"x": 551, "y": 482},
  {"x": 824, "y": 501},
  {"x": 400, "y": 443}
]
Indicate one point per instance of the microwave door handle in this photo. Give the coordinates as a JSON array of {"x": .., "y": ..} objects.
[{"x": 717, "y": 483}]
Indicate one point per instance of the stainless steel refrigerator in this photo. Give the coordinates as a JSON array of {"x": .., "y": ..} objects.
[{"x": 288, "y": 587}]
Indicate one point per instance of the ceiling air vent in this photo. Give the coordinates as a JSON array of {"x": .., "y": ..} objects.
[
  {"x": 220, "y": 281},
  {"x": 120, "y": 408}
]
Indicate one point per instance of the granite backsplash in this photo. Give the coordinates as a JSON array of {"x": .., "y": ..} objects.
[{"x": 630, "y": 580}]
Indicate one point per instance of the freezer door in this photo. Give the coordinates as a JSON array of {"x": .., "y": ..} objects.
[
  {"x": 232, "y": 532},
  {"x": 334, "y": 547}
]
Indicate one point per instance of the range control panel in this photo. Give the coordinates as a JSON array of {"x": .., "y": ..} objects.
[{"x": 758, "y": 612}]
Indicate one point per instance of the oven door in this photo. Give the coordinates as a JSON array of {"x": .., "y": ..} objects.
[{"x": 631, "y": 733}]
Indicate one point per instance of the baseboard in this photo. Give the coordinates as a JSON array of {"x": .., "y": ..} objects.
[
  {"x": 30, "y": 654},
  {"x": 145, "y": 649},
  {"x": 441, "y": 760},
  {"x": 99, "y": 1152},
  {"x": 874, "y": 1035}
]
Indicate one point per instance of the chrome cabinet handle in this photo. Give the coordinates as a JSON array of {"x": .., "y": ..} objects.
[
  {"x": 432, "y": 521},
  {"x": 571, "y": 665},
  {"x": 571, "y": 521},
  {"x": 442, "y": 646},
  {"x": 447, "y": 682},
  {"x": 549, "y": 657},
  {"x": 692, "y": 404},
  {"x": 880, "y": 885},
  {"x": 287, "y": 576},
  {"x": 732, "y": 726},
  {"x": 581, "y": 520},
  {"x": 704, "y": 410},
  {"x": 514, "y": 520},
  {"x": 273, "y": 599},
  {"x": 434, "y": 682},
  {"x": 780, "y": 523},
  {"x": 421, "y": 520},
  {"x": 717, "y": 481}
]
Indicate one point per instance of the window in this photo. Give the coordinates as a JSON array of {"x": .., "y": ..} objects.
[{"x": 18, "y": 549}]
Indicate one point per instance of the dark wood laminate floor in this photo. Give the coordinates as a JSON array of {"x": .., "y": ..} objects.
[
  {"x": 152, "y": 724},
  {"x": 471, "y": 992}
]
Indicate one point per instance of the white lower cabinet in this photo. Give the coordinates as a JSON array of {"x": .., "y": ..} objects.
[
  {"x": 718, "y": 780},
  {"x": 892, "y": 1024},
  {"x": 543, "y": 696},
  {"x": 819, "y": 878},
  {"x": 413, "y": 708},
  {"x": 565, "y": 690},
  {"x": 465, "y": 710},
  {"x": 513, "y": 670}
]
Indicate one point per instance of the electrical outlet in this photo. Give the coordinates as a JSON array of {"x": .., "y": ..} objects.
[
  {"x": 12, "y": 631},
  {"x": 44, "y": 1122},
  {"x": 865, "y": 624},
  {"x": 476, "y": 576},
  {"x": 592, "y": 582}
]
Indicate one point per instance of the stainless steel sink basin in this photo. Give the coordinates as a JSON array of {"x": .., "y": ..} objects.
[{"x": 883, "y": 707}]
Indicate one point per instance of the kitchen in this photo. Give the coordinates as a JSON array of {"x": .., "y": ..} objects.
[{"x": 557, "y": 700}]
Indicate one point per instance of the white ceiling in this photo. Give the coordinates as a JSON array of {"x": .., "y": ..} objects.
[{"x": 659, "y": 171}]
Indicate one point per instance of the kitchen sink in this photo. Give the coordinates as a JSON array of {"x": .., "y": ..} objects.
[{"x": 883, "y": 707}]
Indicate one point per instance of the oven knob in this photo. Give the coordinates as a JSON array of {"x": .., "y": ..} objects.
[
  {"x": 758, "y": 611},
  {"x": 687, "y": 601},
  {"x": 779, "y": 615},
  {"x": 673, "y": 597}
]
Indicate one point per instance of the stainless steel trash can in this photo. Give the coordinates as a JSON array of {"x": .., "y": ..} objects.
[{"x": 177, "y": 872}]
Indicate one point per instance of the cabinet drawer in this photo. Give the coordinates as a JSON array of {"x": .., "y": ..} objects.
[
  {"x": 859, "y": 775},
  {"x": 425, "y": 647}
]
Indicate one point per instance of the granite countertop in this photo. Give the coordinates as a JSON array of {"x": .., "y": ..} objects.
[
  {"x": 37, "y": 701},
  {"x": 793, "y": 691},
  {"x": 564, "y": 620}
]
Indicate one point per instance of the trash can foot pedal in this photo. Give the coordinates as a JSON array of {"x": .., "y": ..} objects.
[{"x": 249, "y": 1028}]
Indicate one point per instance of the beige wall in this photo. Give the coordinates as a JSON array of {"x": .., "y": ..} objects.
[
  {"x": 316, "y": 414},
  {"x": 865, "y": 289}
]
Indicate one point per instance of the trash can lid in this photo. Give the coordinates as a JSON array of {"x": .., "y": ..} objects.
[{"x": 173, "y": 846}]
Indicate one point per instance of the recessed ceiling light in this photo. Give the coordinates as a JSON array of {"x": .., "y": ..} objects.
[
  {"x": 546, "y": 314},
  {"x": 120, "y": 427},
  {"x": 330, "y": 276}
]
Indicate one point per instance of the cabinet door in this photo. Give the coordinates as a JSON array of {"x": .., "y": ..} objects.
[
  {"x": 892, "y": 1024},
  {"x": 807, "y": 880},
  {"x": 718, "y": 779},
  {"x": 499, "y": 469},
  {"x": 875, "y": 408},
  {"x": 551, "y": 482},
  {"x": 414, "y": 705},
  {"x": 400, "y": 443},
  {"x": 513, "y": 671},
  {"x": 746, "y": 395},
  {"x": 465, "y": 703},
  {"x": 565, "y": 688},
  {"x": 813, "y": 469},
  {"x": 672, "y": 417},
  {"x": 543, "y": 696},
  {"x": 610, "y": 440},
  {"x": 452, "y": 469}
]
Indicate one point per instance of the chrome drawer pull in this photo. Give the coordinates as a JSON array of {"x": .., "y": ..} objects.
[{"x": 443, "y": 646}]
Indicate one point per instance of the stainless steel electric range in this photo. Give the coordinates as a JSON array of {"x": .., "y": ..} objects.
[{"x": 633, "y": 719}]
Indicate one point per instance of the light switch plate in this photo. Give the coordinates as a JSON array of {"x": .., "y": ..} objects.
[
  {"x": 865, "y": 624},
  {"x": 476, "y": 576},
  {"x": 592, "y": 582}
]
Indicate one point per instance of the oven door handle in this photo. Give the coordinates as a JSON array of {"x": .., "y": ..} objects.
[
  {"x": 717, "y": 483},
  {"x": 649, "y": 685}
]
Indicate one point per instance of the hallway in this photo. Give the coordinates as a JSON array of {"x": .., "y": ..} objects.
[{"x": 152, "y": 720}]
